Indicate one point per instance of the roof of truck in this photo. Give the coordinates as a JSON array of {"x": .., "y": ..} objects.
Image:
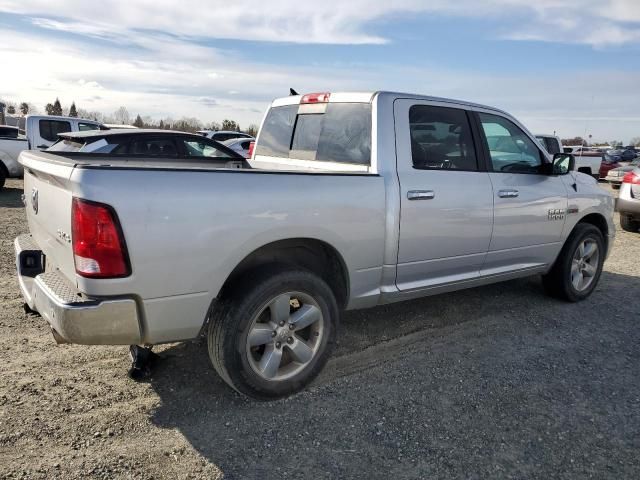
[{"x": 366, "y": 97}]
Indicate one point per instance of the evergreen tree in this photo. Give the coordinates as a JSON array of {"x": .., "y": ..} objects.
[
  {"x": 24, "y": 108},
  {"x": 57, "y": 108},
  {"x": 49, "y": 109},
  {"x": 161, "y": 125},
  {"x": 138, "y": 122},
  {"x": 73, "y": 112},
  {"x": 11, "y": 110}
]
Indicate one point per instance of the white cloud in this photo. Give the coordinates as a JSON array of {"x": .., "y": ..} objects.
[
  {"x": 594, "y": 22},
  {"x": 146, "y": 58}
]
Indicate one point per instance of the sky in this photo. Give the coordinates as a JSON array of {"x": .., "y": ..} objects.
[{"x": 565, "y": 66}]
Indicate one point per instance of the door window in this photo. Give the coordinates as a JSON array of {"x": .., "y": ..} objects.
[
  {"x": 49, "y": 129},
  {"x": 441, "y": 139},
  {"x": 510, "y": 149}
]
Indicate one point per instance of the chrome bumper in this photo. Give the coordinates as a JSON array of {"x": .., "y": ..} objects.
[{"x": 73, "y": 317}]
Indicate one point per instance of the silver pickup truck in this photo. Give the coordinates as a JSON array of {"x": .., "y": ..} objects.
[{"x": 351, "y": 200}]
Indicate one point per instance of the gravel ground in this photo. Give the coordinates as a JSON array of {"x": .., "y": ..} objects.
[{"x": 493, "y": 382}]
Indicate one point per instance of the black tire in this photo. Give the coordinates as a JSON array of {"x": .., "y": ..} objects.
[
  {"x": 615, "y": 186},
  {"x": 628, "y": 224},
  {"x": 557, "y": 282},
  {"x": 3, "y": 176},
  {"x": 231, "y": 320}
]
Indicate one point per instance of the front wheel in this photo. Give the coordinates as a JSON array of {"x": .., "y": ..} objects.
[
  {"x": 577, "y": 270},
  {"x": 275, "y": 334}
]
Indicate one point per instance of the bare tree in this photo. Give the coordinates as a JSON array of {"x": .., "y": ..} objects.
[
  {"x": 230, "y": 125},
  {"x": 253, "y": 130},
  {"x": 11, "y": 110},
  {"x": 635, "y": 141},
  {"x": 121, "y": 116}
]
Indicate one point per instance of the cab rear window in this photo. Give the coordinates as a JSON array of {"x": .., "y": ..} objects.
[{"x": 342, "y": 133}]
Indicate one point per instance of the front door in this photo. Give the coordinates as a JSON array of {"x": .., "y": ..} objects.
[
  {"x": 446, "y": 199},
  {"x": 530, "y": 207}
]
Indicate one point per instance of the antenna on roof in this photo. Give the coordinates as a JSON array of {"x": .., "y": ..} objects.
[{"x": 293, "y": 92}]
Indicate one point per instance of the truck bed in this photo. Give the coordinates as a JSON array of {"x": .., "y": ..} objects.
[{"x": 187, "y": 225}]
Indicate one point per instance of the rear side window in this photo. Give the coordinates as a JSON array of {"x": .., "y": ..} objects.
[
  {"x": 49, "y": 129},
  {"x": 194, "y": 148},
  {"x": 154, "y": 147},
  {"x": 441, "y": 139},
  {"x": 342, "y": 133},
  {"x": 83, "y": 127}
]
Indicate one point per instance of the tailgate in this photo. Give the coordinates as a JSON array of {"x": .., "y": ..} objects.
[{"x": 48, "y": 207}]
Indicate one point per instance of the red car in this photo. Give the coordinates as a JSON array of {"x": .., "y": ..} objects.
[{"x": 605, "y": 166}]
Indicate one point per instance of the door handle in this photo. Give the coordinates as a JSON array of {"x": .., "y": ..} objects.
[
  {"x": 508, "y": 193},
  {"x": 421, "y": 194}
]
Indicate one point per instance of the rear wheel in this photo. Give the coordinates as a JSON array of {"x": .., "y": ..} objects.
[
  {"x": 628, "y": 224},
  {"x": 275, "y": 335},
  {"x": 577, "y": 270},
  {"x": 3, "y": 175}
]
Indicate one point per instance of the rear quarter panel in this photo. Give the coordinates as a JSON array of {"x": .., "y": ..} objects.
[{"x": 187, "y": 230}]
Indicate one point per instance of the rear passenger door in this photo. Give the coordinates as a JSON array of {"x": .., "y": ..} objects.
[
  {"x": 446, "y": 197},
  {"x": 530, "y": 206}
]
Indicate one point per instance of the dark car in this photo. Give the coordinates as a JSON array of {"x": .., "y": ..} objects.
[
  {"x": 164, "y": 144},
  {"x": 621, "y": 155}
]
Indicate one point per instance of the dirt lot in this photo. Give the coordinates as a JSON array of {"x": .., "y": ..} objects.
[{"x": 494, "y": 382}]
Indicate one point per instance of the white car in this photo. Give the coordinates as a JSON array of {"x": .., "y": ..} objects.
[
  {"x": 588, "y": 160},
  {"x": 41, "y": 132},
  {"x": 240, "y": 145},
  {"x": 223, "y": 135}
]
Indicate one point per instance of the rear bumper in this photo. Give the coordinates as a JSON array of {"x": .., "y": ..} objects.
[
  {"x": 73, "y": 317},
  {"x": 631, "y": 206}
]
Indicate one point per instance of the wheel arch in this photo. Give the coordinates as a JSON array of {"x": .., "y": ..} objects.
[
  {"x": 310, "y": 254},
  {"x": 600, "y": 222}
]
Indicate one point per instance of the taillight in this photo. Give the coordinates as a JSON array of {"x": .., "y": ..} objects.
[
  {"x": 631, "y": 177},
  {"x": 315, "y": 98},
  {"x": 99, "y": 250},
  {"x": 252, "y": 145}
]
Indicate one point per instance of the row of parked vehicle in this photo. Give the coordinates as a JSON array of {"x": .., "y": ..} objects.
[{"x": 42, "y": 131}]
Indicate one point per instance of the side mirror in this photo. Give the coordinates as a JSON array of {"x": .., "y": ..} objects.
[{"x": 562, "y": 164}]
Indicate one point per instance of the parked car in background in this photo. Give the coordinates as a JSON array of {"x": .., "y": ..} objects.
[
  {"x": 41, "y": 132},
  {"x": 621, "y": 155},
  {"x": 223, "y": 135},
  {"x": 629, "y": 201},
  {"x": 344, "y": 205},
  {"x": 551, "y": 143},
  {"x": 142, "y": 144},
  {"x": 7, "y": 131},
  {"x": 240, "y": 145},
  {"x": 587, "y": 161},
  {"x": 615, "y": 175},
  {"x": 607, "y": 165}
]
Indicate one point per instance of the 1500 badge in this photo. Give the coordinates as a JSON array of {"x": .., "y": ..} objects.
[{"x": 556, "y": 214}]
